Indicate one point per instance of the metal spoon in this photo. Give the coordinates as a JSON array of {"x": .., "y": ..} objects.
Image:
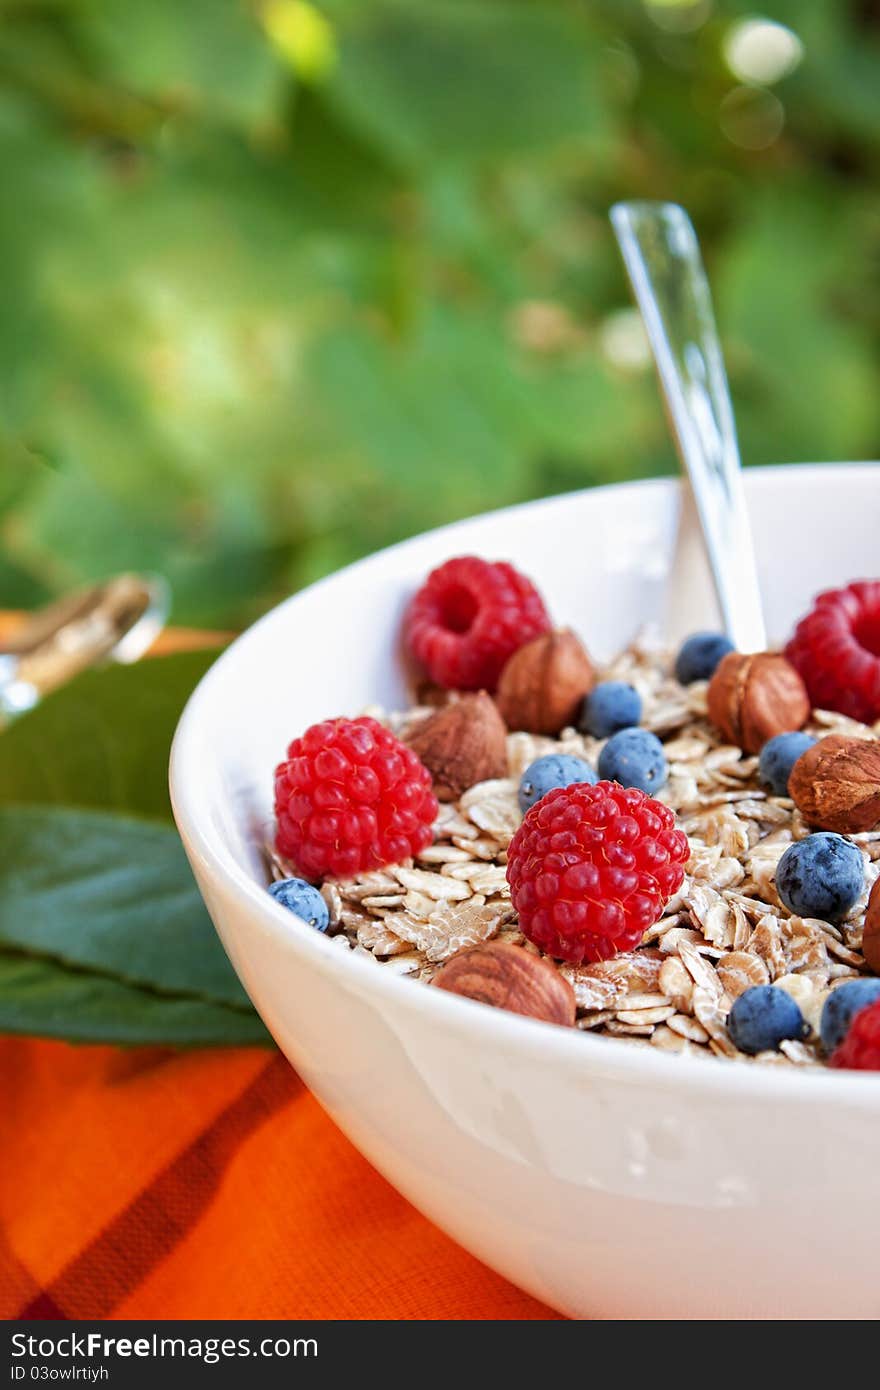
[
  {"x": 114, "y": 621},
  {"x": 662, "y": 258}
]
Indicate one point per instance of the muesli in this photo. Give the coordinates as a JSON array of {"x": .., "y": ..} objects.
[{"x": 540, "y": 880}]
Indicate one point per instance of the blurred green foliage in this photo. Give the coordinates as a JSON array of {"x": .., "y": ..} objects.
[{"x": 283, "y": 282}]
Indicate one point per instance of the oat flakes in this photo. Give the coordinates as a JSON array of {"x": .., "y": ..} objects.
[{"x": 725, "y": 931}]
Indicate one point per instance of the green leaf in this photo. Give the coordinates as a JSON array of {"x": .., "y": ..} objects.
[
  {"x": 792, "y": 352},
  {"x": 43, "y": 998},
  {"x": 46, "y": 197},
  {"x": 463, "y": 79},
  {"x": 19, "y": 469},
  {"x": 103, "y": 740},
  {"x": 111, "y": 894},
  {"x": 200, "y": 52}
]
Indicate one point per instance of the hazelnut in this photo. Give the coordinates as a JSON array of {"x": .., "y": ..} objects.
[
  {"x": 751, "y": 698},
  {"x": 544, "y": 682},
  {"x": 509, "y": 977},
  {"x": 836, "y": 784},
  {"x": 871, "y": 936},
  {"x": 463, "y": 743},
  {"x": 425, "y": 692}
]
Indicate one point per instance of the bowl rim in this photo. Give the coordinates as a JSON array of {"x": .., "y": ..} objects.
[{"x": 553, "y": 1045}]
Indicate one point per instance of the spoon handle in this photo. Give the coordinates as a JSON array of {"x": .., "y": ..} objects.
[
  {"x": 662, "y": 258},
  {"x": 116, "y": 620}
]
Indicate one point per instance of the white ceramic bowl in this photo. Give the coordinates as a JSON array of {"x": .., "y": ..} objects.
[{"x": 607, "y": 1180}]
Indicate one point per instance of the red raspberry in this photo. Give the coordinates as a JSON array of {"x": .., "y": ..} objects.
[
  {"x": 468, "y": 617},
  {"x": 350, "y": 797},
  {"x": 591, "y": 868},
  {"x": 836, "y": 648},
  {"x": 860, "y": 1049}
]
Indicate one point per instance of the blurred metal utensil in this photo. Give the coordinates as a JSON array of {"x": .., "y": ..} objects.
[
  {"x": 114, "y": 621},
  {"x": 662, "y": 258}
]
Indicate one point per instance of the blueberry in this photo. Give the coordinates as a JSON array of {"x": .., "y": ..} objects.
[
  {"x": 841, "y": 1006},
  {"x": 634, "y": 758},
  {"x": 553, "y": 770},
  {"x": 300, "y": 897},
  {"x": 778, "y": 757},
  {"x": 761, "y": 1017},
  {"x": 820, "y": 876},
  {"x": 699, "y": 655},
  {"x": 610, "y": 706}
]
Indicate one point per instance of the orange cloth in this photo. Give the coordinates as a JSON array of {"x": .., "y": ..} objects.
[
  {"x": 149, "y": 1183},
  {"x": 155, "y": 1184}
]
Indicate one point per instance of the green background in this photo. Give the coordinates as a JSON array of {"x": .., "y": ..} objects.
[{"x": 285, "y": 282}]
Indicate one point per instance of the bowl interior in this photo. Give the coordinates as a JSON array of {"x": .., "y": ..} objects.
[{"x": 601, "y": 558}]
